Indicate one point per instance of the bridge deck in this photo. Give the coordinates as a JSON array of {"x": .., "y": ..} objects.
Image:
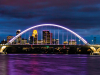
[{"x": 45, "y": 45}]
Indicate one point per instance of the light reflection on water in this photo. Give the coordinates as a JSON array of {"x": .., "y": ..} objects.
[{"x": 49, "y": 64}]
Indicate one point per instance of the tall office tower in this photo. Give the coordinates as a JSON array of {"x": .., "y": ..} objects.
[
  {"x": 47, "y": 36},
  {"x": 18, "y": 40},
  {"x": 9, "y": 38},
  {"x": 35, "y": 36},
  {"x": 31, "y": 39}
]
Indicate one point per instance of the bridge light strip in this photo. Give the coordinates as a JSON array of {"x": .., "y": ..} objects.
[{"x": 84, "y": 41}]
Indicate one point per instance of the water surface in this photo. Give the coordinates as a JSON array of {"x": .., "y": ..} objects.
[{"x": 49, "y": 64}]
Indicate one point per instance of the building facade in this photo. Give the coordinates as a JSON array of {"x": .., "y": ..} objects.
[
  {"x": 18, "y": 40},
  {"x": 72, "y": 42},
  {"x": 40, "y": 42},
  {"x": 65, "y": 42},
  {"x": 47, "y": 37},
  {"x": 4, "y": 41},
  {"x": 31, "y": 39},
  {"x": 55, "y": 41},
  {"x": 35, "y": 36},
  {"x": 9, "y": 38},
  {"x": 23, "y": 41}
]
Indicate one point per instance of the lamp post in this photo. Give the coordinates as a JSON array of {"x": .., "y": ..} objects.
[
  {"x": 79, "y": 42},
  {"x": 92, "y": 41}
]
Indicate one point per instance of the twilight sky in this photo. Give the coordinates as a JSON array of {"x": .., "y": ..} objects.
[{"x": 81, "y": 16}]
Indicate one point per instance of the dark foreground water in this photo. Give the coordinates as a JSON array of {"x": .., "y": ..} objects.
[{"x": 49, "y": 64}]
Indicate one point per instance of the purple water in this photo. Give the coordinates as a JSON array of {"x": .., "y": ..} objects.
[{"x": 49, "y": 64}]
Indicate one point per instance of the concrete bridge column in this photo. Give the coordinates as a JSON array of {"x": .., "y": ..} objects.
[
  {"x": 95, "y": 49},
  {"x": 98, "y": 50},
  {"x": 2, "y": 48}
]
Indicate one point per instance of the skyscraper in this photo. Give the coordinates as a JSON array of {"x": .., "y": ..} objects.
[
  {"x": 35, "y": 36},
  {"x": 47, "y": 37},
  {"x": 31, "y": 39},
  {"x": 9, "y": 38},
  {"x": 18, "y": 40}
]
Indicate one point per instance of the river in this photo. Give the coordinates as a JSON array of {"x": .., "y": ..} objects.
[{"x": 49, "y": 64}]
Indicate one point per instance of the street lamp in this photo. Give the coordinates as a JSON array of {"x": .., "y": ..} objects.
[
  {"x": 92, "y": 41},
  {"x": 79, "y": 42}
]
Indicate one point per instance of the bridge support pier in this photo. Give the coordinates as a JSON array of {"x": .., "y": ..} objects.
[
  {"x": 2, "y": 49},
  {"x": 95, "y": 50}
]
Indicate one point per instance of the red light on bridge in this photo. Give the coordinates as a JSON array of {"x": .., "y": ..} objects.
[
  {"x": 64, "y": 46},
  {"x": 31, "y": 45}
]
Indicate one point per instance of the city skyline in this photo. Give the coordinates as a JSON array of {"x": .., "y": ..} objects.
[
  {"x": 49, "y": 37},
  {"x": 57, "y": 33},
  {"x": 44, "y": 38},
  {"x": 81, "y": 16}
]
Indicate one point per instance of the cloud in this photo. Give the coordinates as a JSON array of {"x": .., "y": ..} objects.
[{"x": 82, "y": 16}]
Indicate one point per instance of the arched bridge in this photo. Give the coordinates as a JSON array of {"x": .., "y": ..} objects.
[
  {"x": 41, "y": 25},
  {"x": 84, "y": 41}
]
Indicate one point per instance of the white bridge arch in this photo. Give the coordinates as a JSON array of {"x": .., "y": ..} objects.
[{"x": 84, "y": 41}]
